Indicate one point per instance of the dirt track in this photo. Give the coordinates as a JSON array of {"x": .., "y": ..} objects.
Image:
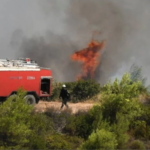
[{"x": 75, "y": 107}]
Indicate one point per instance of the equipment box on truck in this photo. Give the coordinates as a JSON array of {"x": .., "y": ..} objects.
[{"x": 36, "y": 81}]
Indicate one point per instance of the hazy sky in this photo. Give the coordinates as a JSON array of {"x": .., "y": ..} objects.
[{"x": 51, "y": 30}]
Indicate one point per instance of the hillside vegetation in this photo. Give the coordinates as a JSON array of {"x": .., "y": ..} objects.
[{"x": 118, "y": 120}]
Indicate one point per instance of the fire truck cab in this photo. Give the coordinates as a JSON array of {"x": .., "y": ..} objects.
[{"x": 25, "y": 73}]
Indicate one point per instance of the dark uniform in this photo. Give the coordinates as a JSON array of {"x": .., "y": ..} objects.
[{"x": 64, "y": 95}]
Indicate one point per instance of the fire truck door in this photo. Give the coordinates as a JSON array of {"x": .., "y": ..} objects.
[{"x": 45, "y": 84}]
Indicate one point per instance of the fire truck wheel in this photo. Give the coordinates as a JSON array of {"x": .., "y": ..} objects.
[
  {"x": 30, "y": 99},
  {"x": 13, "y": 97}
]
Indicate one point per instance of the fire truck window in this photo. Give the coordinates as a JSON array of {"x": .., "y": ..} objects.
[{"x": 45, "y": 86}]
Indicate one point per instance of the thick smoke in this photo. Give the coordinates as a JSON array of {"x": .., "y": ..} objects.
[
  {"x": 63, "y": 27},
  {"x": 82, "y": 18},
  {"x": 52, "y": 51}
]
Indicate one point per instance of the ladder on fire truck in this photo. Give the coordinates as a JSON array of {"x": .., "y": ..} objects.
[{"x": 21, "y": 62}]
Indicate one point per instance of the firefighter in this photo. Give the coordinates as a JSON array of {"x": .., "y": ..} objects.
[{"x": 64, "y": 94}]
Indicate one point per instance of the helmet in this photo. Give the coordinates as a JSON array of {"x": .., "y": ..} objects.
[{"x": 63, "y": 85}]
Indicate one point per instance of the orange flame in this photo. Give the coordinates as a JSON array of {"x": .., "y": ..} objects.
[{"x": 89, "y": 57}]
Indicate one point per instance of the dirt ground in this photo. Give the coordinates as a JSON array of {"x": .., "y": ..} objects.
[{"x": 74, "y": 107}]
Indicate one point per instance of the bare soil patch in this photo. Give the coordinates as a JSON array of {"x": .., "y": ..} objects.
[{"x": 74, "y": 107}]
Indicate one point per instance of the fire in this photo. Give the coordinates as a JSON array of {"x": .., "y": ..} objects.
[{"x": 89, "y": 57}]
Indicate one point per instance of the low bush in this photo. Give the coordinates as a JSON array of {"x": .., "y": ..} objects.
[
  {"x": 20, "y": 127},
  {"x": 101, "y": 139},
  {"x": 139, "y": 129},
  {"x": 57, "y": 142},
  {"x": 137, "y": 145},
  {"x": 74, "y": 141},
  {"x": 41, "y": 126},
  {"x": 15, "y": 122},
  {"x": 60, "y": 141},
  {"x": 55, "y": 93},
  {"x": 82, "y": 124},
  {"x": 85, "y": 89},
  {"x": 120, "y": 128},
  {"x": 140, "y": 125},
  {"x": 78, "y": 125},
  {"x": 121, "y": 97},
  {"x": 80, "y": 90}
]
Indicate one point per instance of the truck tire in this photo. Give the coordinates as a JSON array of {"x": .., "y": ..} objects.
[
  {"x": 13, "y": 97},
  {"x": 30, "y": 99}
]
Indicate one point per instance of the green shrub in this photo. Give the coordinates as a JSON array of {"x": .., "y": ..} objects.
[
  {"x": 83, "y": 124},
  {"x": 74, "y": 141},
  {"x": 70, "y": 86},
  {"x": 79, "y": 125},
  {"x": 140, "y": 126},
  {"x": 55, "y": 93},
  {"x": 20, "y": 128},
  {"x": 14, "y": 126},
  {"x": 56, "y": 142},
  {"x": 86, "y": 89},
  {"x": 139, "y": 129},
  {"x": 145, "y": 116},
  {"x": 60, "y": 141},
  {"x": 120, "y": 128},
  {"x": 120, "y": 106},
  {"x": 95, "y": 117},
  {"x": 79, "y": 90},
  {"x": 137, "y": 145},
  {"x": 101, "y": 139},
  {"x": 41, "y": 127},
  {"x": 120, "y": 97}
]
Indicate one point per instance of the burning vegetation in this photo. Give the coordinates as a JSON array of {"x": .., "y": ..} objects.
[{"x": 89, "y": 58}]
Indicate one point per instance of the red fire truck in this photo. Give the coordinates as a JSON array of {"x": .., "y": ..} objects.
[{"x": 25, "y": 73}]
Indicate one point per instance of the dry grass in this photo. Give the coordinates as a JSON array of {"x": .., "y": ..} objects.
[
  {"x": 43, "y": 106},
  {"x": 55, "y": 107}
]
